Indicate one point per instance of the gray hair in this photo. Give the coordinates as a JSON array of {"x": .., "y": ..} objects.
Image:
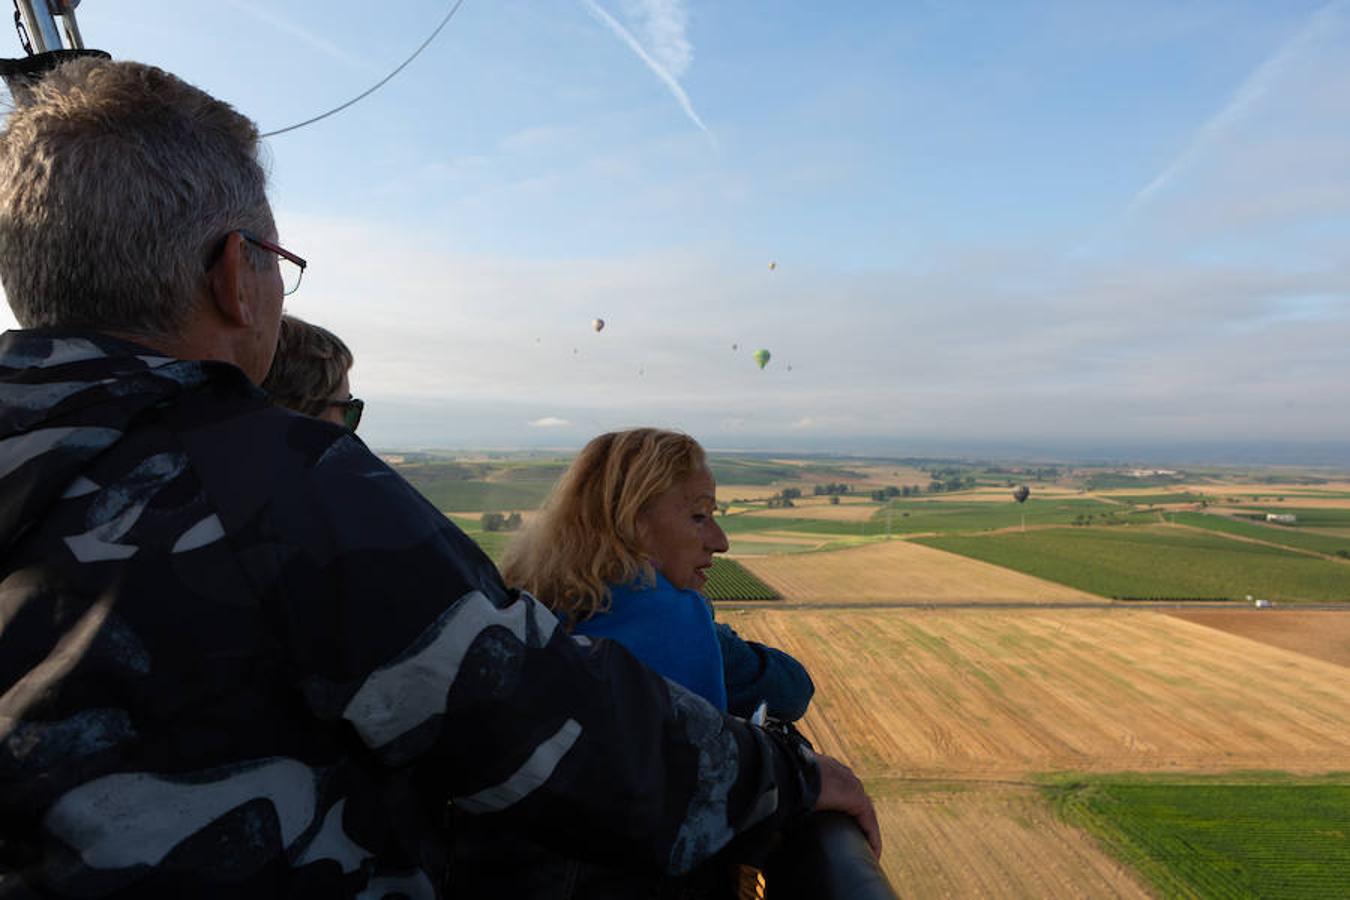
[{"x": 118, "y": 184}]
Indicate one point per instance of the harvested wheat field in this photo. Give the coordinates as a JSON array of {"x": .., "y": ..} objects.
[
  {"x": 991, "y": 841},
  {"x": 729, "y": 492},
  {"x": 990, "y": 694},
  {"x": 904, "y": 572},
  {"x": 1322, "y": 634}
]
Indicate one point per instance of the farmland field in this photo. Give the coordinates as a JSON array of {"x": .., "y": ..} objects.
[
  {"x": 1318, "y": 542},
  {"x": 1329, "y": 516},
  {"x": 845, "y": 511},
  {"x": 954, "y": 710},
  {"x": 1318, "y": 634},
  {"x": 916, "y": 516},
  {"x": 948, "y": 714},
  {"x": 729, "y": 580},
  {"x": 999, "y": 841},
  {"x": 1211, "y": 838},
  {"x": 986, "y": 693},
  {"x": 901, "y": 571},
  {"x": 1158, "y": 561}
]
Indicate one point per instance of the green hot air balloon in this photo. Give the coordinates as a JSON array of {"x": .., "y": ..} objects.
[{"x": 762, "y": 357}]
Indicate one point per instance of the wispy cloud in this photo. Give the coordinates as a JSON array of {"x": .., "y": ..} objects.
[
  {"x": 549, "y": 422},
  {"x": 663, "y": 22},
  {"x": 324, "y": 46},
  {"x": 1257, "y": 86}
]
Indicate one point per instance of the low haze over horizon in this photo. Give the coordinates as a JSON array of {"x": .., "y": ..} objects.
[{"x": 1020, "y": 225}]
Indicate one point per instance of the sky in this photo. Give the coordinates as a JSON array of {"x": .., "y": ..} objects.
[{"x": 1048, "y": 225}]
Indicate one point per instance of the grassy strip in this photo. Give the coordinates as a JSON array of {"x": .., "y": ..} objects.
[
  {"x": 1156, "y": 561},
  {"x": 1212, "y": 837}
]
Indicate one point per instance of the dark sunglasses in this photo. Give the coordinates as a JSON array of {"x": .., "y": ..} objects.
[{"x": 351, "y": 408}]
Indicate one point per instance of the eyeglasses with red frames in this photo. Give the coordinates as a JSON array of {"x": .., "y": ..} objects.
[{"x": 292, "y": 268}]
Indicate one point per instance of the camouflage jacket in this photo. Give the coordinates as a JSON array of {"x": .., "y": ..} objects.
[{"x": 239, "y": 655}]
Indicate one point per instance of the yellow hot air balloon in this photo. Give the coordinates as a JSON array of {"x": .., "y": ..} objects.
[
  {"x": 598, "y": 324},
  {"x": 772, "y": 266},
  {"x": 762, "y": 357}
]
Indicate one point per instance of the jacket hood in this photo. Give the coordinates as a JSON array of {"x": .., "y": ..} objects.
[{"x": 66, "y": 397}]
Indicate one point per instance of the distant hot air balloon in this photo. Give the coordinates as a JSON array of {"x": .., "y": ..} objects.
[
  {"x": 772, "y": 266},
  {"x": 762, "y": 357},
  {"x": 598, "y": 324},
  {"x": 735, "y": 346},
  {"x": 1021, "y": 493}
]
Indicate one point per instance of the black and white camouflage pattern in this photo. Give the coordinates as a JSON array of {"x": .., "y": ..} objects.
[{"x": 240, "y": 656}]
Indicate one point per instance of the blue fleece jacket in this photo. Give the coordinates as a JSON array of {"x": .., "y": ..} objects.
[{"x": 668, "y": 629}]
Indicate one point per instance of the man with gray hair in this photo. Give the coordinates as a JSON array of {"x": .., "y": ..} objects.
[{"x": 238, "y": 654}]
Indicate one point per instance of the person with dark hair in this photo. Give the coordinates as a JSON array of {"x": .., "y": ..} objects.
[
  {"x": 309, "y": 374},
  {"x": 241, "y": 656}
]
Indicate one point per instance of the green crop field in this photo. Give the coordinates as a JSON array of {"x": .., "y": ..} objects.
[
  {"x": 1105, "y": 481},
  {"x": 1212, "y": 838},
  {"x": 481, "y": 496},
  {"x": 747, "y": 470},
  {"x": 1275, "y": 534},
  {"x": 729, "y": 580},
  {"x": 945, "y": 516},
  {"x": 1309, "y": 517},
  {"x": 1157, "y": 562},
  {"x": 903, "y": 517},
  {"x": 1155, "y": 499},
  {"x": 770, "y": 548},
  {"x": 493, "y": 542},
  {"x": 743, "y": 523}
]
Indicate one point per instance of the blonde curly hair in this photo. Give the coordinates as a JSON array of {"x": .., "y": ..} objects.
[{"x": 587, "y": 535}]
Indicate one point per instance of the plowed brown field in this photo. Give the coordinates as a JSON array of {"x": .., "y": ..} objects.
[
  {"x": 1325, "y": 635},
  {"x": 992, "y": 694},
  {"x": 900, "y": 571},
  {"x": 997, "y": 841}
]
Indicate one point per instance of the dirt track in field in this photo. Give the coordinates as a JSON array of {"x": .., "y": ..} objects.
[
  {"x": 902, "y": 571},
  {"x": 1323, "y": 635},
  {"x": 998, "y": 841}
]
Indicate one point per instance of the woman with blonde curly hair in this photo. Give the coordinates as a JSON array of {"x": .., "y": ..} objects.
[{"x": 620, "y": 550}]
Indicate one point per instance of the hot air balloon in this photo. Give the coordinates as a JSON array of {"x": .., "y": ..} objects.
[
  {"x": 598, "y": 324},
  {"x": 1021, "y": 493},
  {"x": 735, "y": 346},
  {"x": 762, "y": 357},
  {"x": 772, "y": 266}
]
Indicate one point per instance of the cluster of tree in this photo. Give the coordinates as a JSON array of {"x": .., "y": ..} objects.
[
  {"x": 951, "y": 483},
  {"x": 1103, "y": 519},
  {"x": 832, "y": 489},
  {"x": 783, "y": 499},
  {"x": 886, "y": 493},
  {"x": 495, "y": 521}
]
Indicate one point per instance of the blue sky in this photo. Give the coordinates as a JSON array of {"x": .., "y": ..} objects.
[{"x": 1043, "y": 224}]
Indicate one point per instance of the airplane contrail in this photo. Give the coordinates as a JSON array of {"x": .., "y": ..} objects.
[
  {"x": 657, "y": 69},
  {"x": 267, "y": 17},
  {"x": 1253, "y": 88}
]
